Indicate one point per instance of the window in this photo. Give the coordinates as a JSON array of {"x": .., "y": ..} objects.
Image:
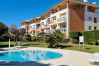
[
  {"x": 95, "y": 28},
  {"x": 95, "y": 20},
  {"x": 89, "y": 27},
  {"x": 89, "y": 18}
]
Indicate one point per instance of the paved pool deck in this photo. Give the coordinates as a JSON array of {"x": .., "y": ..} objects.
[{"x": 69, "y": 58}]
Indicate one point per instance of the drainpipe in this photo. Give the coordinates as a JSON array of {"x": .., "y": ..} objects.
[
  {"x": 68, "y": 20},
  {"x": 35, "y": 28},
  {"x": 58, "y": 9},
  {"x": 85, "y": 12},
  {"x": 86, "y": 7},
  {"x": 85, "y": 0}
]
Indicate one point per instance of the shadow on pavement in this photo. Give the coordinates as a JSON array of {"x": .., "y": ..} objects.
[{"x": 15, "y": 63}]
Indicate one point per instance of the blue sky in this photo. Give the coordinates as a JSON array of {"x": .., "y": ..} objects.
[{"x": 17, "y": 11}]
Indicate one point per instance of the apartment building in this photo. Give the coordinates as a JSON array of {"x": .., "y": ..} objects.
[{"x": 66, "y": 16}]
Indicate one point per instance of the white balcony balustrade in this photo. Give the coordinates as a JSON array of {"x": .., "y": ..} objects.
[
  {"x": 62, "y": 29},
  {"x": 62, "y": 19},
  {"x": 33, "y": 28},
  {"x": 49, "y": 31}
]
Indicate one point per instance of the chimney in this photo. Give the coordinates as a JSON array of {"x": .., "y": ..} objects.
[
  {"x": 85, "y": 0},
  {"x": 94, "y": 3}
]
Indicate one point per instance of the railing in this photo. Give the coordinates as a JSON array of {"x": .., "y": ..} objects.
[
  {"x": 41, "y": 26},
  {"x": 38, "y": 27},
  {"x": 97, "y": 13},
  {"x": 49, "y": 31},
  {"x": 33, "y": 28},
  {"x": 61, "y": 19},
  {"x": 47, "y": 23},
  {"x": 52, "y": 30},
  {"x": 62, "y": 29}
]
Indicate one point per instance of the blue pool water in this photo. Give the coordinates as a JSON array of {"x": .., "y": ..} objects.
[{"x": 29, "y": 55}]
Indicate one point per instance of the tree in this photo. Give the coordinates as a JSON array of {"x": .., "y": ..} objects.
[
  {"x": 3, "y": 28},
  {"x": 22, "y": 32},
  {"x": 13, "y": 30},
  {"x": 55, "y": 39},
  {"x": 41, "y": 36}
]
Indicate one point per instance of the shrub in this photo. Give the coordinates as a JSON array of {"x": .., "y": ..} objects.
[
  {"x": 34, "y": 38},
  {"x": 91, "y": 37},
  {"x": 4, "y": 38},
  {"x": 27, "y": 38},
  {"x": 66, "y": 40},
  {"x": 74, "y": 37},
  {"x": 74, "y": 34},
  {"x": 55, "y": 39},
  {"x": 74, "y": 40}
]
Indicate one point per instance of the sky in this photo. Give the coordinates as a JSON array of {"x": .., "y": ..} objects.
[{"x": 17, "y": 11}]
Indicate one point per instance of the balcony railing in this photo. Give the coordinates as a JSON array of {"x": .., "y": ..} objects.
[
  {"x": 38, "y": 27},
  {"x": 33, "y": 28},
  {"x": 62, "y": 29},
  {"x": 50, "y": 31},
  {"x": 46, "y": 24},
  {"x": 63, "y": 19},
  {"x": 51, "y": 22}
]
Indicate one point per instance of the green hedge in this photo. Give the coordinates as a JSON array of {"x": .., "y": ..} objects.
[
  {"x": 74, "y": 37},
  {"x": 74, "y": 34},
  {"x": 91, "y": 37}
]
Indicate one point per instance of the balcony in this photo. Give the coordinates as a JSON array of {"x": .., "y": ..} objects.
[
  {"x": 47, "y": 23},
  {"x": 63, "y": 19},
  {"x": 38, "y": 27},
  {"x": 33, "y": 28},
  {"x": 49, "y": 31},
  {"x": 41, "y": 26},
  {"x": 62, "y": 29}
]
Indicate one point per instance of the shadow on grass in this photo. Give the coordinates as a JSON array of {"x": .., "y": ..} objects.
[
  {"x": 28, "y": 44},
  {"x": 32, "y": 44},
  {"x": 64, "y": 46},
  {"x": 88, "y": 48},
  {"x": 15, "y": 63},
  {"x": 3, "y": 46}
]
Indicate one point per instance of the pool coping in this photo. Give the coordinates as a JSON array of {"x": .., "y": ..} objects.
[{"x": 68, "y": 57}]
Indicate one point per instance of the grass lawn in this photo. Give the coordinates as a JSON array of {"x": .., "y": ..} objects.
[
  {"x": 87, "y": 48},
  {"x": 31, "y": 44}
]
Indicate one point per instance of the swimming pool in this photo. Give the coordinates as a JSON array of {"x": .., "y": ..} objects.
[{"x": 29, "y": 55}]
